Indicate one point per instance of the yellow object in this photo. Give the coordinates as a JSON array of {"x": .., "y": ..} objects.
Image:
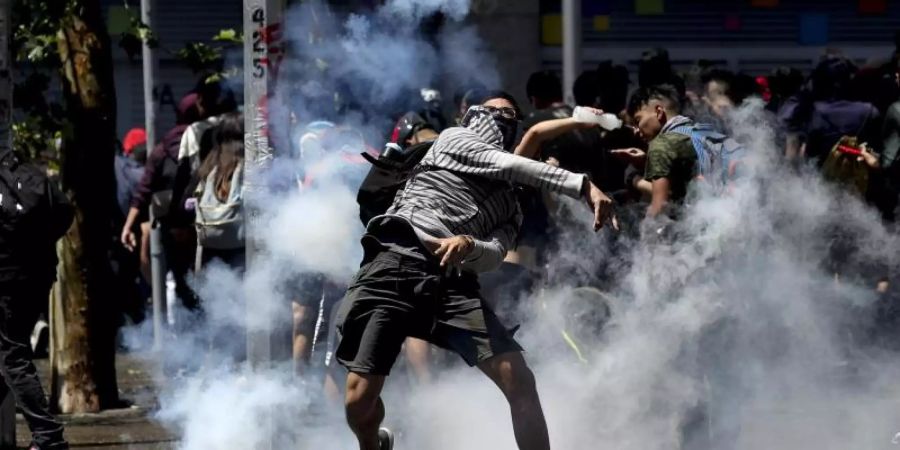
[
  {"x": 119, "y": 20},
  {"x": 551, "y": 29},
  {"x": 601, "y": 23},
  {"x": 574, "y": 346},
  {"x": 649, "y": 7}
]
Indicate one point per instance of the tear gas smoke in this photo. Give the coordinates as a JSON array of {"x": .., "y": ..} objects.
[{"x": 727, "y": 329}]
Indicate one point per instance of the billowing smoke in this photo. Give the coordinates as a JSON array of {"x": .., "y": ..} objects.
[
  {"x": 747, "y": 323},
  {"x": 356, "y": 71}
]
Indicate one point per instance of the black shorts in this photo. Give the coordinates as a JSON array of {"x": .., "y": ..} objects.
[{"x": 396, "y": 295}]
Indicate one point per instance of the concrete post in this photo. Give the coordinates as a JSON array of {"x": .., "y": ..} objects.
[{"x": 262, "y": 55}]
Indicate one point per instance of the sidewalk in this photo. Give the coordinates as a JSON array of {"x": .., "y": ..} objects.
[{"x": 121, "y": 429}]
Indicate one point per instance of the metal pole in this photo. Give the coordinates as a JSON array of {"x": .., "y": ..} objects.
[
  {"x": 7, "y": 403},
  {"x": 158, "y": 271},
  {"x": 571, "y": 46},
  {"x": 157, "y": 255}
]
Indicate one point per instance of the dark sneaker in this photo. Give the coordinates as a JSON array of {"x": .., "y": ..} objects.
[{"x": 385, "y": 439}]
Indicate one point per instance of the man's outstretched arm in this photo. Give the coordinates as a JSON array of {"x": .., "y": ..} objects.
[{"x": 461, "y": 152}]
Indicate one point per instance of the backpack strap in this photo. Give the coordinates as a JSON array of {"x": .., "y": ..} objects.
[
  {"x": 703, "y": 157},
  {"x": 380, "y": 163},
  {"x": 237, "y": 181}
]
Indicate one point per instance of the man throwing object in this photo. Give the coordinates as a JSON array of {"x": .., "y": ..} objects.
[{"x": 456, "y": 216}]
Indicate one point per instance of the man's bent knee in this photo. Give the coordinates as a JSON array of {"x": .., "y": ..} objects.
[
  {"x": 511, "y": 374},
  {"x": 362, "y": 395}
]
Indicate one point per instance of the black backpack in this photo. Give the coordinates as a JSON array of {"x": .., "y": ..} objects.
[
  {"x": 34, "y": 214},
  {"x": 388, "y": 175}
]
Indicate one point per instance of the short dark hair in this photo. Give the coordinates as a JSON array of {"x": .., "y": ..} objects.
[
  {"x": 544, "y": 85},
  {"x": 489, "y": 95},
  {"x": 737, "y": 86},
  {"x": 654, "y": 68},
  {"x": 664, "y": 92},
  {"x": 586, "y": 90},
  {"x": 718, "y": 75},
  {"x": 785, "y": 81},
  {"x": 612, "y": 83}
]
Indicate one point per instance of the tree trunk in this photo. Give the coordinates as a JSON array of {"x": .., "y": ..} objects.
[{"x": 84, "y": 299}]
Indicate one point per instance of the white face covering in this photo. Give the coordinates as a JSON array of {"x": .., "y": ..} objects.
[{"x": 508, "y": 128}]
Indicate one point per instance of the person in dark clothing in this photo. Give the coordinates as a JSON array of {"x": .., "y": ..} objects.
[
  {"x": 154, "y": 192},
  {"x": 612, "y": 84},
  {"x": 129, "y": 166},
  {"x": 35, "y": 214},
  {"x": 818, "y": 117},
  {"x": 582, "y": 150},
  {"x": 891, "y": 129},
  {"x": 129, "y": 169},
  {"x": 576, "y": 151},
  {"x": 784, "y": 83},
  {"x": 655, "y": 69},
  {"x": 890, "y": 146}
]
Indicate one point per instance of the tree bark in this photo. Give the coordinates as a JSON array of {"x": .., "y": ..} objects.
[{"x": 84, "y": 298}]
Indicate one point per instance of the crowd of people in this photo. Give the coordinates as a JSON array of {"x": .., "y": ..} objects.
[{"x": 461, "y": 210}]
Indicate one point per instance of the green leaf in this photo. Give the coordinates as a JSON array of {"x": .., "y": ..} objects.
[
  {"x": 37, "y": 53},
  {"x": 228, "y": 35}
]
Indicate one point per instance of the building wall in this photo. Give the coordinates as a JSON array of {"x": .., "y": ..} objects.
[
  {"x": 177, "y": 22},
  {"x": 734, "y": 34},
  {"x": 515, "y": 32},
  {"x": 512, "y": 33}
]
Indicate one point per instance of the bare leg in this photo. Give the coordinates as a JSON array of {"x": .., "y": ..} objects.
[
  {"x": 510, "y": 373},
  {"x": 301, "y": 337},
  {"x": 417, "y": 352},
  {"x": 364, "y": 408}
]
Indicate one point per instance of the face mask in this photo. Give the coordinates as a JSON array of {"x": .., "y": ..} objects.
[
  {"x": 510, "y": 130},
  {"x": 509, "y": 127}
]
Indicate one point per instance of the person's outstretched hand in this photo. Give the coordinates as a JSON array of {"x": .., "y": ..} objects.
[
  {"x": 633, "y": 156},
  {"x": 602, "y": 206}
]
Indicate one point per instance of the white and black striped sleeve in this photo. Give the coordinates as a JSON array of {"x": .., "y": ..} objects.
[
  {"x": 457, "y": 151},
  {"x": 489, "y": 254}
]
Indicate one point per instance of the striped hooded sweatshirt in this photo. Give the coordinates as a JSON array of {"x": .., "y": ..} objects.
[{"x": 464, "y": 186}]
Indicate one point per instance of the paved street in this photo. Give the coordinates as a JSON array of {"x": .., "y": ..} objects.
[{"x": 123, "y": 429}]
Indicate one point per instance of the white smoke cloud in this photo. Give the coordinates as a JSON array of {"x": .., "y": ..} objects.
[{"x": 726, "y": 326}]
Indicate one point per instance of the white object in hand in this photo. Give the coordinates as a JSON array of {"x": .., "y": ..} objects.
[{"x": 606, "y": 121}]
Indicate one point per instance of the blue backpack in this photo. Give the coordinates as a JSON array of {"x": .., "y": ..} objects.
[{"x": 718, "y": 156}]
